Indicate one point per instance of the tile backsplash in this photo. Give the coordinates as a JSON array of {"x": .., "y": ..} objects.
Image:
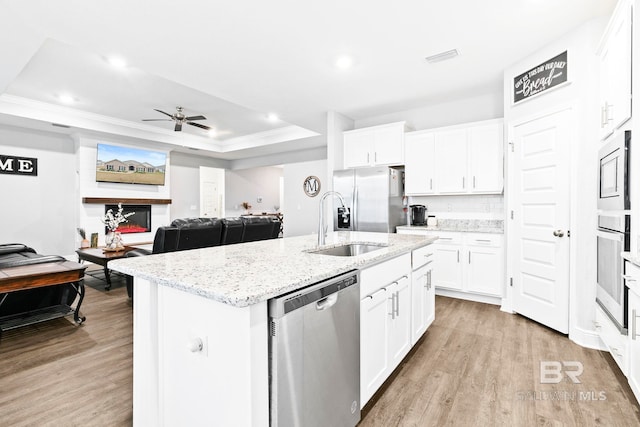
[{"x": 463, "y": 206}]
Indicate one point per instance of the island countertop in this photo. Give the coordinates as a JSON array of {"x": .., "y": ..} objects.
[{"x": 247, "y": 273}]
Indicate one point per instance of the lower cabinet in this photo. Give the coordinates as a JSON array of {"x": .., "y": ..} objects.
[
  {"x": 615, "y": 342},
  {"x": 632, "y": 281},
  {"x": 423, "y": 296},
  {"x": 385, "y": 322}
]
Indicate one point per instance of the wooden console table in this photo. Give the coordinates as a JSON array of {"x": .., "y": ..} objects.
[
  {"x": 13, "y": 279},
  {"x": 98, "y": 256}
]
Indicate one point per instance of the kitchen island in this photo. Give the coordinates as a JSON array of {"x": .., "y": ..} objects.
[{"x": 201, "y": 322}]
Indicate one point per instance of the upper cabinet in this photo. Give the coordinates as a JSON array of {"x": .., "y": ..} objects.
[
  {"x": 373, "y": 146},
  {"x": 614, "y": 54},
  {"x": 465, "y": 159}
]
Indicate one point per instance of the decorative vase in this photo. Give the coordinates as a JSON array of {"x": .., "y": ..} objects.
[
  {"x": 113, "y": 241},
  {"x": 84, "y": 243}
]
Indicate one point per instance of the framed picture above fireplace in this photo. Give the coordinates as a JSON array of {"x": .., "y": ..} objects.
[{"x": 130, "y": 165}]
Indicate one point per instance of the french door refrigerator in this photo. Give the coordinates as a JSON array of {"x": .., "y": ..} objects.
[{"x": 373, "y": 196}]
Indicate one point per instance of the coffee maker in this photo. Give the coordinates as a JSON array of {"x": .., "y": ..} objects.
[{"x": 418, "y": 215}]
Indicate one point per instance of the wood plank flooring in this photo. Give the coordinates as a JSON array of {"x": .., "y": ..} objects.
[{"x": 476, "y": 366}]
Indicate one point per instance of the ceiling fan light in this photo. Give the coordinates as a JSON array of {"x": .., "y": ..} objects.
[
  {"x": 117, "y": 62},
  {"x": 272, "y": 117},
  {"x": 65, "y": 98},
  {"x": 212, "y": 133}
]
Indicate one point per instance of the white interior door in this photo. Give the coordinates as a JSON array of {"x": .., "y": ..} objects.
[
  {"x": 211, "y": 192},
  {"x": 540, "y": 200}
]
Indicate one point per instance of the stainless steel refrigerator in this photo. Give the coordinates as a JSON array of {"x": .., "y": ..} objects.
[{"x": 373, "y": 196}]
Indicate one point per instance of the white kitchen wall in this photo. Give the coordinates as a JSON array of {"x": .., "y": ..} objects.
[
  {"x": 463, "y": 108},
  {"x": 301, "y": 211},
  {"x": 462, "y": 207},
  {"x": 40, "y": 211},
  {"x": 247, "y": 185}
]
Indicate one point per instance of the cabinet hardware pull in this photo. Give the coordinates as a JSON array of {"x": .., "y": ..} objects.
[
  {"x": 393, "y": 304},
  {"x": 633, "y": 324},
  {"x": 628, "y": 278},
  {"x": 445, "y": 238},
  {"x": 367, "y": 158},
  {"x": 603, "y": 116},
  {"x": 469, "y": 257},
  {"x": 397, "y": 303},
  {"x": 428, "y": 255},
  {"x": 429, "y": 279},
  {"x": 463, "y": 182},
  {"x": 430, "y": 183},
  {"x": 375, "y": 157},
  {"x": 474, "y": 181},
  {"x": 458, "y": 253},
  {"x": 195, "y": 345},
  {"x": 377, "y": 292},
  {"x": 483, "y": 240}
]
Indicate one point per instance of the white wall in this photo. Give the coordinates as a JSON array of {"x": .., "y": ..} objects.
[
  {"x": 301, "y": 211},
  {"x": 40, "y": 211},
  {"x": 460, "y": 110},
  {"x": 581, "y": 95},
  {"x": 185, "y": 183},
  {"x": 248, "y": 185}
]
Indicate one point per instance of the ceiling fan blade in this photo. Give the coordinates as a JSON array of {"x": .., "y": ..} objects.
[
  {"x": 199, "y": 125},
  {"x": 195, "y": 118},
  {"x": 166, "y": 114},
  {"x": 178, "y": 127},
  {"x": 157, "y": 120}
]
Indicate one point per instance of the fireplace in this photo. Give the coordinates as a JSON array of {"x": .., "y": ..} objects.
[{"x": 139, "y": 222}]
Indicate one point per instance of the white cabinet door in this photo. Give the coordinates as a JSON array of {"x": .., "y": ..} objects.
[
  {"x": 423, "y": 302},
  {"x": 484, "y": 273},
  {"x": 486, "y": 158},
  {"x": 419, "y": 163},
  {"x": 400, "y": 333},
  {"x": 373, "y": 146},
  {"x": 389, "y": 146},
  {"x": 374, "y": 343},
  {"x": 634, "y": 342},
  {"x": 357, "y": 148},
  {"x": 447, "y": 271},
  {"x": 451, "y": 161},
  {"x": 615, "y": 71}
]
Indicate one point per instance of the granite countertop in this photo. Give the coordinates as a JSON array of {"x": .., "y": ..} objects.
[
  {"x": 468, "y": 225},
  {"x": 247, "y": 273}
]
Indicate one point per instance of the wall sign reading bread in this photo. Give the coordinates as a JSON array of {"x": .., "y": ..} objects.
[{"x": 545, "y": 76}]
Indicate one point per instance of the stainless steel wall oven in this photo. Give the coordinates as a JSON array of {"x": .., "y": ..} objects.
[
  {"x": 613, "y": 238},
  {"x": 613, "y": 191}
]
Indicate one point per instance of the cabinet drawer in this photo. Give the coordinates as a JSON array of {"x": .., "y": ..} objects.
[
  {"x": 422, "y": 256},
  {"x": 448, "y": 237},
  {"x": 611, "y": 337},
  {"x": 632, "y": 277},
  {"x": 484, "y": 239},
  {"x": 385, "y": 273}
]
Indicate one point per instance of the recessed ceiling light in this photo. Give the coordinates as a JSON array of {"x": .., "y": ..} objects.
[
  {"x": 272, "y": 117},
  {"x": 442, "y": 56},
  {"x": 117, "y": 62},
  {"x": 212, "y": 133},
  {"x": 343, "y": 62},
  {"x": 66, "y": 98}
]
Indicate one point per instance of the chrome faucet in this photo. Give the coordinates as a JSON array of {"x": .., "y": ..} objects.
[{"x": 321, "y": 227}]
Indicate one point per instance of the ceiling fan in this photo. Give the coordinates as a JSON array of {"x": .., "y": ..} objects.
[{"x": 180, "y": 118}]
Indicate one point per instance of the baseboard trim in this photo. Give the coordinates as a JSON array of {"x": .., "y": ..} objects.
[
  {"x": 469, "y": 296},
  {"x": 586, "y": 338}
]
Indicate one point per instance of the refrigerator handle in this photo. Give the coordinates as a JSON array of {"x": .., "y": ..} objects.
[{"x": 354, "y": 214}]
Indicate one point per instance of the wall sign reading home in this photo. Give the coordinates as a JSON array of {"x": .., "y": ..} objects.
[
  {"x": 311, "y": 186},
  {"x": 545, "y": 76},
  {"x": 130, "y": 165},
  {"x": 15, "y": 165}
]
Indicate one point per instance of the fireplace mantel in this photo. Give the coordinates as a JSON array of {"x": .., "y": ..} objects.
[{"x": 129, "y": 201}]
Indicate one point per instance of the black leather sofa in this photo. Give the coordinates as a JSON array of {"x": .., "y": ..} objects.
[
  {"x": 15, "y": 255},
  {"x": 195, "y": 233}
]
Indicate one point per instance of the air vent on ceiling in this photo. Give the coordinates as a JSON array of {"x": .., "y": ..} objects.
[
  {"x": 60, "y": 125},
  {"x": 442, "y": 56}
]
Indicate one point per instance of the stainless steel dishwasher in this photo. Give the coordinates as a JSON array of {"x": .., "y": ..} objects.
[{"x": 314, "y": 355}]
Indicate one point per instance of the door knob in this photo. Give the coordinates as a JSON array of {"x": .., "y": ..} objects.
[{"x": 558, "y": 233}]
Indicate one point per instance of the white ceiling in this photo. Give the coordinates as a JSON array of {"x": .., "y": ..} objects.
[{"x": 236, "y": 61}]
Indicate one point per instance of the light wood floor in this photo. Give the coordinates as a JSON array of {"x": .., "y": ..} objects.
[
  {"x": 475, "y": 366},
  {"x": 478, "y": 366}
]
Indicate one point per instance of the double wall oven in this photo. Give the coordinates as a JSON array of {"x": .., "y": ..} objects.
[{"x": 614, "y": 227}]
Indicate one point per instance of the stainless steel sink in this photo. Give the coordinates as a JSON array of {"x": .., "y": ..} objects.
[{"x": 350, "y": 249}]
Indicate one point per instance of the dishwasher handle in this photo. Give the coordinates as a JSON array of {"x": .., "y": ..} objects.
[{"x": 327, "y": 302}]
